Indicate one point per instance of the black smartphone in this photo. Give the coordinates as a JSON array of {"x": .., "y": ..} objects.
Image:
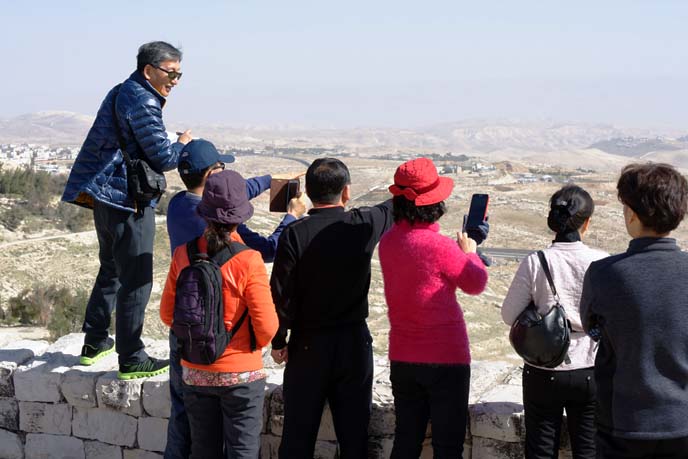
[{"x": 477, "y": 212}]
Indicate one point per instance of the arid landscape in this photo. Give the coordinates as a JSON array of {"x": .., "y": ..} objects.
[{"x": 518, "y": 210}]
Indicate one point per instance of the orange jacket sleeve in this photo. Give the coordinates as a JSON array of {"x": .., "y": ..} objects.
[
  {"x": 259, "y": 300},
  {"x": 179, "y": 260}
]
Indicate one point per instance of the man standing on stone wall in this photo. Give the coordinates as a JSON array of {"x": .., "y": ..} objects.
[
  {"x": 320, "y": 281},
  {"x": 130, "y": 115}
]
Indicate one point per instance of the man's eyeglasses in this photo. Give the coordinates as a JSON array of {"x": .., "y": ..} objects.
[
  {"x": 219, "y": 165},
  {"x": 171, "y": 74}
]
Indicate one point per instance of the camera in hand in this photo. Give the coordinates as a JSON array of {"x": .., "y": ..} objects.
[{"x": 281, "y": 192}]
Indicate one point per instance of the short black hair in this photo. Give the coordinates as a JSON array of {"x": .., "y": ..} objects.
[
  {"x": 155, "y": 53},
  {"x": 326, "y": 179},
  {"x": 403, "y": 209},
  {"x": 193, "y": 180},
  {"x": 656, "y": 192},
  {"x": 569, "y": 208}
]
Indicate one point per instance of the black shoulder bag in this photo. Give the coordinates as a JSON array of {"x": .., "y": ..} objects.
[
  {"x": 542, "y": 340},
  {"x": 143, "y": 182}
]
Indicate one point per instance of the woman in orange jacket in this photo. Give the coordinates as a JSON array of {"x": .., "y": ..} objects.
[{"x": 224, "y": 399}]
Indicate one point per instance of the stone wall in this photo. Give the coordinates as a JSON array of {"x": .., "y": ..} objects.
[{"x": 50, "y": 407}]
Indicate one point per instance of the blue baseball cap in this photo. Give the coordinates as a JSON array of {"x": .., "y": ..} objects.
[{"x": 198, "y": 155}]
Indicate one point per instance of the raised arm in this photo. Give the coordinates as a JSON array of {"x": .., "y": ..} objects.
[
  {"x": 149, "y": 132},
  {"x": 257, "y": 185},
  {"x": 267, "y": 246}
]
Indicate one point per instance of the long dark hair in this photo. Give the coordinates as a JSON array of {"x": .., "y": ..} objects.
[
  {"x": 217, "y": 236},
  {"x": 569, "y": 207}
]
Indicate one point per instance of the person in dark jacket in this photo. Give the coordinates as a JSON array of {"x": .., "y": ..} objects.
[
  {"x": 320, "y": 281},
  {"x": 125, "y": 228},
  {"x": 635, "y": 303}
]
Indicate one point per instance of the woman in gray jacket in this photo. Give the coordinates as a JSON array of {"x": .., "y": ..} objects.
[
  {"x": 547, "y": 391},
  {"x": 636, "y": 304}
]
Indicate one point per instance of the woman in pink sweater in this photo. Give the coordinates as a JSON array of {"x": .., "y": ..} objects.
[{"x": 428, "y": 343}]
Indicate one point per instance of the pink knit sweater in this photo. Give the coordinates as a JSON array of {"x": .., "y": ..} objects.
[{"x": 422, "y": 270}]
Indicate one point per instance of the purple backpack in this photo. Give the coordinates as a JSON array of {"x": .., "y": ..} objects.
[{"x": 198, "y": 320}]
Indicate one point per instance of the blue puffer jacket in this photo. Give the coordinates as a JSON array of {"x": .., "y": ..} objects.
[{"x": 99, "y": 172}]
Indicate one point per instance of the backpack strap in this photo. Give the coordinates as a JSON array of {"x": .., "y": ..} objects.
[{"x": 545, "y": 268}]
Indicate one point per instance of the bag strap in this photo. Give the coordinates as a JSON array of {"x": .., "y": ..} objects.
[
  {"x": 545, "y": 268},
  {"x": 118, "y": 129}
]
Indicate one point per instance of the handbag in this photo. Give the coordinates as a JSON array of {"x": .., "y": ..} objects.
[
  {"x": 144, "y": 183},
  {"x": 542, "y": 339}
]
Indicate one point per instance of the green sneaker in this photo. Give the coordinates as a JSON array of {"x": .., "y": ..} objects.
[
  {"x": 147, "y": 368},
  {"x": 91, "y": 354}
]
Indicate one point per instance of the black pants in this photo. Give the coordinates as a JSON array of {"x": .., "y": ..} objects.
[
  {"x": 545, "y": 395},
  {"x": 435, "y": 392},
  {"x": 609, "y": 447},
  {"x": 334, "y": 365},
  {"x": 225, "y": 416},
  {"x": 124, "y": 280}
]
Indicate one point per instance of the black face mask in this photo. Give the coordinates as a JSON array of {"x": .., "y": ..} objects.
[{"x": 568, "y": 236}]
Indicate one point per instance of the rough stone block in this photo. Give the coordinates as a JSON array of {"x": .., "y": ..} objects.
[
  {"x": 45, "y": 446},
  {"x": 156, "y": 396},
  {"x": 13, "y": 355},
  {"x": 487, "y": 448},
  {"x": 499, "y": 414},
  {"x": 40, "y": 379},
  {"x": 269, "y": 446},
  {"x": 380, "y": 447},
  {"x": 326, "y": 432},
  {"x": 140, "y": 454},
  {"x": 121, "y": 395},
  {"x": 325, "y": 450},
  {"x": 152, "y": 434},
  {"x": 9, "y": 414},
  {"x": 382, "y": 420},
  {"x": 79, "y": 386},
  {"x": 105, "y": 425},
  {"x": 49, "y": 418},
  {"x": 98, "y": 450},
  {"x": 11, "y": 446},
  {"x": 485, "y": 375}
]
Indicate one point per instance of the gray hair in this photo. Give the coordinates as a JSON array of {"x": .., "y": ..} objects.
[{"x": 156, "y": 52}]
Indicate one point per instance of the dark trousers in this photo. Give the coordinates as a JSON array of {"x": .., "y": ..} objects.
[
  {"x": 229, "y": 417},
  {"x": 329, "y": 365},
  {"x": 545, "y": 395},
  {"x": 124, "y": 280},
  {"x": 178, "y": 431},
  {"x": 430, "y": 392},
  {"x": 609, "y": 447}
]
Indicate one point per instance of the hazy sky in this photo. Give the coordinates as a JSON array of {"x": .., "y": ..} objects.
[{"x": 360, "y": 63}]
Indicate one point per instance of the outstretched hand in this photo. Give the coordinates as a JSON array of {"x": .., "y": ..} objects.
[
  {"x": 479, "y": 234},
  {"x": 297, "y": 206}
]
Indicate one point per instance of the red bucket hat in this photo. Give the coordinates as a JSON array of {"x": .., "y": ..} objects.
[{"x": 417, "y": 181}]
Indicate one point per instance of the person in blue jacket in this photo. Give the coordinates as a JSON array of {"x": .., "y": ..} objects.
[
  {"x": 125, "y": 228},
  {"x": 199, "y": 159}
]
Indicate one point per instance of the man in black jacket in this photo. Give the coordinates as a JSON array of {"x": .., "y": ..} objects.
[
  {"x": 635, "y": 303},
  {"x": 320, "y": 283}
]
